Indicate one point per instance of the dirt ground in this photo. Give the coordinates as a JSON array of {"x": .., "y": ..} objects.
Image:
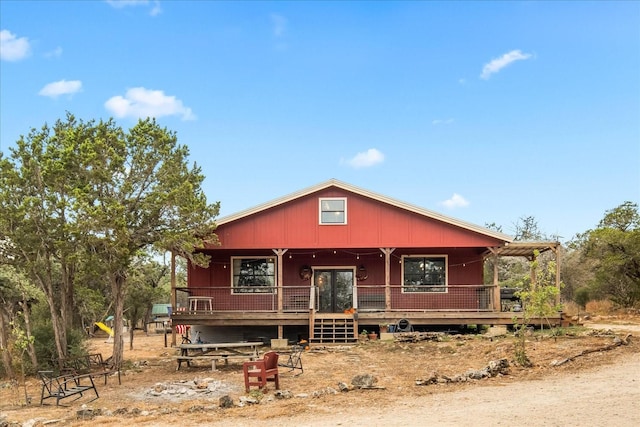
[{"x": 596, "y": 388}]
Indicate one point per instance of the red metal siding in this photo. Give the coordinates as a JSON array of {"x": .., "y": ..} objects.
[
  {"x": 464, "y": 266},
  {"x": 370, "y": 223}
]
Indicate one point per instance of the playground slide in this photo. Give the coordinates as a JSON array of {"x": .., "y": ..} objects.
[{"x": 105, "y": 328}]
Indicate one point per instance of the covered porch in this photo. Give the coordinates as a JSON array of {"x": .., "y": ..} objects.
[{"x": 366, "y": 301}]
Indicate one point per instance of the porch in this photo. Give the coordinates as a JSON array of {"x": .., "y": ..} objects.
[
  {"x": 366, "y": 298},
  {"x": 373, "y": 305}
]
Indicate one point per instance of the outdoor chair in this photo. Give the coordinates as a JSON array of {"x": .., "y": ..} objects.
[
  {"x": 295, "y": 359},
  {"x": 259, "y": 372}
]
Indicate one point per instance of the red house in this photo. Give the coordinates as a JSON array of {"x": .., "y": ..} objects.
[{"x": 332, "y": 259}]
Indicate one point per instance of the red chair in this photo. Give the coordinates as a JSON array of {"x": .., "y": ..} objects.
[{"x": 259, "y": 372}]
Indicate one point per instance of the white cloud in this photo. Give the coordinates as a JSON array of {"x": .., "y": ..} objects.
[
  {"x": 156, "y": 9},
  {"x": 279, "y": 24},
  {"x": 441, "y": 122},
  {"x": 61, "y": 87},
  {"x": 367, "y": 158},
  {"x": 498, "y": 64},
  {"x": 13, "y": 48},
  {"x": 139, "y": 102},
  {"x": 456, "y": 201},
  {"x": 119, "y": 4},
  {"x": 55, "y": 53}
]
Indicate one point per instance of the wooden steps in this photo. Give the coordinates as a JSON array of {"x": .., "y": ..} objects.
[{"x": 334, "y": 329}]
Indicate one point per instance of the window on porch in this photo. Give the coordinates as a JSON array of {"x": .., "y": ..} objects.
[
  {"x": 253, "y": 275},
  {"x": 424, "y": 273}
]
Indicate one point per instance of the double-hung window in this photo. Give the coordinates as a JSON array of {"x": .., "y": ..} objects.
[
  {"x": 253, "y": 275},
  {"x": 333, "y": 210},
  {"x": 424, "y": 273}
]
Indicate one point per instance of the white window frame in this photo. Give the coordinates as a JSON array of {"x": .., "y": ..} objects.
[
  {"x": 439, "y": 289},
  {"x": 320, "y": 210},
  {"x": 261, "y": 290}
]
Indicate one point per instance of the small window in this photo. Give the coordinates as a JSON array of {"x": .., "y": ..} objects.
[
  {"x": 424, "y": 273},
  {"x": 333, "y": 211},
  {"x": 253, "y": 275}
]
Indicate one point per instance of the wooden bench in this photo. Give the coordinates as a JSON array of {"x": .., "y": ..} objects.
[
  {"x": 64, "y": 386},
  {"x": 91, "y": 364},
  {"x": 213, "y": 359}
]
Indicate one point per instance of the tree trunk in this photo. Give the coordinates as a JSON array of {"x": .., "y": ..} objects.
[
  {"x": 59, "y": 330},
  {"x": 7, "y": 361},
  {"x": 117, "y": 289},
  {"x": 131, "y": 337},
  {"x": 31, "y": 349},
  {"x": 57, "y": 311}
]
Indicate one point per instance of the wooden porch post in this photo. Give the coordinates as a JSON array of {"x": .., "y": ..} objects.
[
  {"x": 556, "y": 251},
  {"x": 279, "y": 253},
  {"x": 312, "y": 312},
  {"x": 387, "y": 276},
  {"x": 532, "y": 273},
  {"x": 497, "y": 298},
  {"x": 497, "y": 303},
  {"x": 173, "y": 296}
]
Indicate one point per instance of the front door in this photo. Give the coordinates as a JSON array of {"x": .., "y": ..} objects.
[{"x": 334, "y": 289}]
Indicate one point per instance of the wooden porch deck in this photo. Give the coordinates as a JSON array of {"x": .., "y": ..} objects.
[{"x": 367, "y": 319}]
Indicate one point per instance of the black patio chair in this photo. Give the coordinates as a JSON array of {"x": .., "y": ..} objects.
[{"x": 294, "y": 360}]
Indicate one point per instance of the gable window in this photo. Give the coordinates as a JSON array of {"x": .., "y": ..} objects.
[
  {"x": 253, "y": 275},
  {"x": 333, "y": 210},
  {"x": 422, "y": 273}
]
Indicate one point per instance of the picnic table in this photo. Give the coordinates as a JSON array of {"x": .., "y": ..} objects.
[{"x": 214, "y": 352}]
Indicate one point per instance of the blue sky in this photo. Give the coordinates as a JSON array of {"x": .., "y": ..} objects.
[{"x": 483, "y": 111}]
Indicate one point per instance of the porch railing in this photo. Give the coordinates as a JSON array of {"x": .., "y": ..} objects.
[
  {"x": 296, "y": 299},
  {"x": 247, "y": 298},
  {"x": 412, "y": 298}
]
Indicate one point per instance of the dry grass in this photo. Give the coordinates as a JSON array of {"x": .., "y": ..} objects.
[
  {"x": 600, "y": 308},
  {"x": 396, "y": 365}
]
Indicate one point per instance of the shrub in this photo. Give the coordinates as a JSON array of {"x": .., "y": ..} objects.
[
  {"x": 581, "y": 297},
  {"x": 601, "y": 307},
  {"x": 46, "y": 346}
]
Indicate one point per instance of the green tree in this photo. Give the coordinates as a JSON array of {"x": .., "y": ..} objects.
[
  {"x": 512, "y": 269},
  {"x": 38, "y": 189},
  {"x": 143, "y": 196},
  {"x": 91, "y": 192},
  {"x": 527, "y": 229},
  {"x": 143, "y": 291},
  {"x": 538, "y": 294},
  {"x": 17, "y": 295},
  {"x": 613, "y": 248},
  {"x": 577, "y": 270}
]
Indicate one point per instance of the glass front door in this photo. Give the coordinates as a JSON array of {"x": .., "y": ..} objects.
[{"x": 334, "y": 290}]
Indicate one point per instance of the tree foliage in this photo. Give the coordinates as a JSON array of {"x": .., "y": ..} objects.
[
  {"x": 512, "y": 269},
  {"x": 145, "y": 289},
  {"x": 613, "y": 249},
  {"x": 84, "y": 199},
  {"x": 538, "y": 294},
  {"x": 17, "y": 295}
]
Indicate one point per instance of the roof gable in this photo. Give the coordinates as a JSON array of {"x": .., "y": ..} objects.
[{"x": 375, "y": 197}]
